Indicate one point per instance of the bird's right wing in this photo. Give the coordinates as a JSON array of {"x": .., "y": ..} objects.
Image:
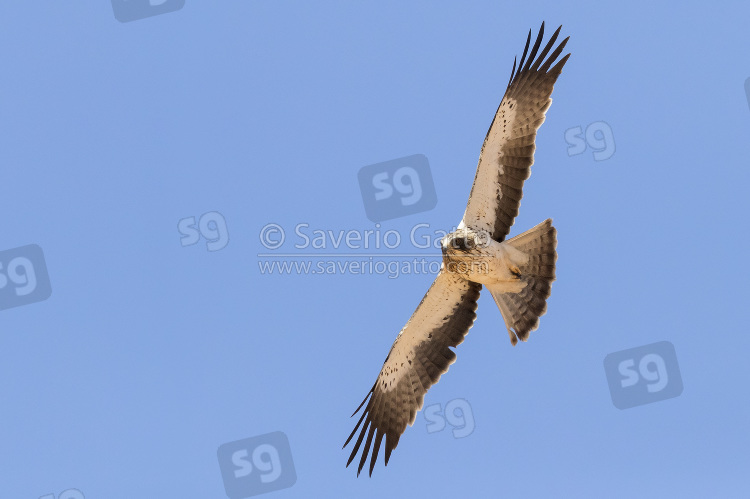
[
  {"x": 417, "y": 358},
  {"x": 508, "y": 149}
]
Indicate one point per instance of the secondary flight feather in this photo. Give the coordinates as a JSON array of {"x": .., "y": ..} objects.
[{"x": 518, "y": 272}]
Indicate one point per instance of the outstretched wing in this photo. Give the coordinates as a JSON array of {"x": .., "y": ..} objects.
[
  {"x": 508, "y": 150},
  {"x": 417, "y": 358}
]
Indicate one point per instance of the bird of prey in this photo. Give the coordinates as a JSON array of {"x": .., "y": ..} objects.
[{"x": 518, "y": 272}]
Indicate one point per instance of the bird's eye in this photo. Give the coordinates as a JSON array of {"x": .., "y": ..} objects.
[{"x": 463, "y": 243}]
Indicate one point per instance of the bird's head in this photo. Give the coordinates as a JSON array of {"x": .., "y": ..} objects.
[{"x": 461, "y": 240}]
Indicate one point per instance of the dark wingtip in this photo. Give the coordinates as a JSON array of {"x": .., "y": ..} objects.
[
  {"x": 363, "y": 402},
  {"x": 376, "y": 449},
  {"x": 553, "y": 57},
  {"x": 535, "y": 48},
  {"x": 355, "y": 428},
  {"x": 366, "y": 450},
  {"x": 529, "y": 60},
  {"x": 558, "y": 67},
  {"x": 546, "y": 49},
  {"x": 525, "y": 51},
  {"x": 512, "y": 72}
]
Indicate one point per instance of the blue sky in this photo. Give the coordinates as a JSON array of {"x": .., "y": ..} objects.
[{"x": 149, "y": 355}]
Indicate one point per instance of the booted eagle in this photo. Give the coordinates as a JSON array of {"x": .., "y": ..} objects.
[{"x": 518, "y": 272}]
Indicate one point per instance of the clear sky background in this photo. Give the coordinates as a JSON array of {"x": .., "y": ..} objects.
[{"x": 150, "y": 355}]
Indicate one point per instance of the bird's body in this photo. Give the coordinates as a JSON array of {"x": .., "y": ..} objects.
[
  {"x": 476, "y": 257},
  {"x": 517, "y": 272}
]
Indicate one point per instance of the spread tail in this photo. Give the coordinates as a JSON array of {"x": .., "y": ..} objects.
[{"x": 521, "y": 311}]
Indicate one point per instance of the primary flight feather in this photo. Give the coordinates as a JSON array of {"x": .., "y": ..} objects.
[{"x": 518, "y": 272}]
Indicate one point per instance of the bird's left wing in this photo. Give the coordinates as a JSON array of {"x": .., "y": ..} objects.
[
  {"x": 417, "y": 358},
  {"x": 508, "y": 149}
]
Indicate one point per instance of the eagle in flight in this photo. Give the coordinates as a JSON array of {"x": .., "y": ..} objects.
[{"x": 518, "y": 272}]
